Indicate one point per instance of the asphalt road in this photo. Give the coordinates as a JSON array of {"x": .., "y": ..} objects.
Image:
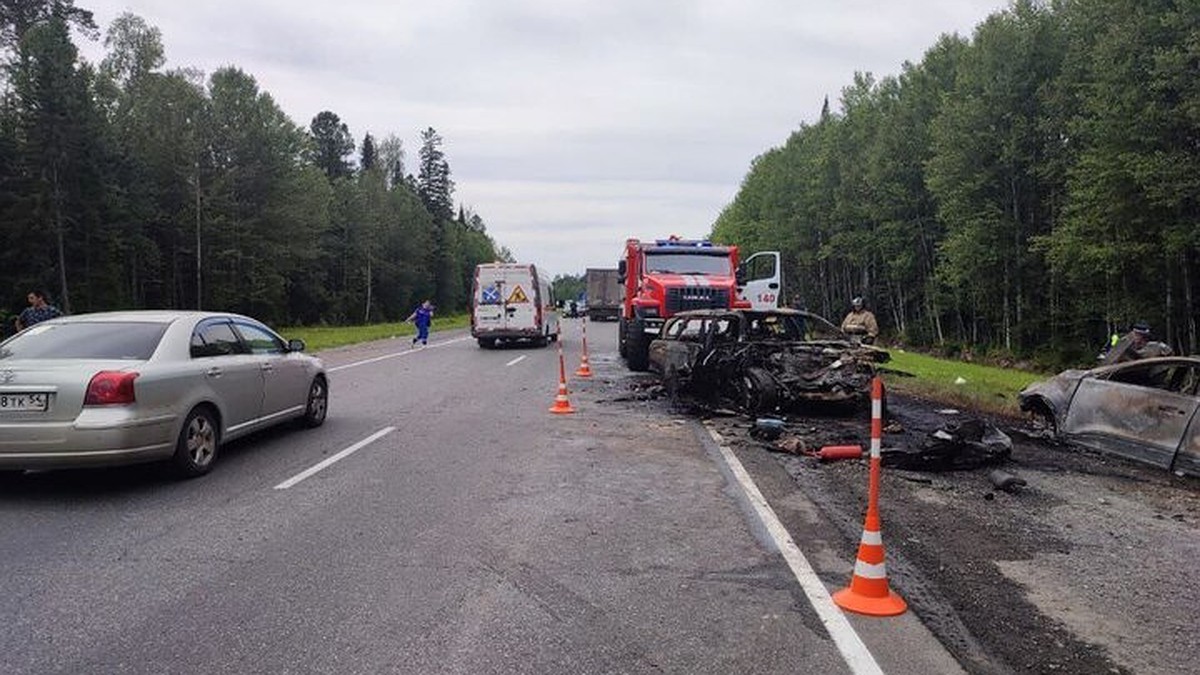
[{"x": 467, "y": 531}]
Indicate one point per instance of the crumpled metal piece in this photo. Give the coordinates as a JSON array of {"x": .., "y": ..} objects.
[{"x": 955, "y": 446}]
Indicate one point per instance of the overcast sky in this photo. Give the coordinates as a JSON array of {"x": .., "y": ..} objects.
[{"x": 569, "y": 126}]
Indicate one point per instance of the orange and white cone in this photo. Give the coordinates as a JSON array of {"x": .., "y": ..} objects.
[
  {"x": 869, "y": 592},
  {"x": 562, "y": 405},
  {"x": 585, "y": 370}
]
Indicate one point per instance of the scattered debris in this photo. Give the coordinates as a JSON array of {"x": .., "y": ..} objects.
[
  {"x": 966, "y": 445},
  {"x": 960, "y": 380},
  {"x": 947, "y": 411},
  {"x": 831, "y": 453},
  {"x": 767, "y": 428},
  {"x": 1006, "y": 481},
  {"x": 793, "y": 444}
]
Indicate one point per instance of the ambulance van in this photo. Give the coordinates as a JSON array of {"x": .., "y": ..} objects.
[{"x": 511, "y": 302}]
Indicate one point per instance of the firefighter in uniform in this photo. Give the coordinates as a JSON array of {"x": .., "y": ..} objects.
[{"x": 860, "y": 321}]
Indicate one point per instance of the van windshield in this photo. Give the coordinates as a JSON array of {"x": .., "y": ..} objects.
[{"x": 688, "y": 263}]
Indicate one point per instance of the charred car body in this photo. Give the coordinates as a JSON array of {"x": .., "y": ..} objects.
[
  {"x": 762, "y": 360},
  {"x": 1145, "y": 410}
]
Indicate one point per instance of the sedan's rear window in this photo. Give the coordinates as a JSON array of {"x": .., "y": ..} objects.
[{"x": 117, "y": 340}]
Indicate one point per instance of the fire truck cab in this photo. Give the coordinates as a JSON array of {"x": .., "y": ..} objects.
[{"x": 661, "y": 278}]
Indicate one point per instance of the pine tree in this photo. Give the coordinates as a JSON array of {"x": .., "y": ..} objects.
[
  {"x": 434, "y": 184},
  {"x": 334, "y": 144},
  {"x": 369, "y": 156}
]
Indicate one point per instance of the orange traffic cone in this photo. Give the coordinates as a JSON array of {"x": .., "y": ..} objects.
[
  {"x": 585, "y": 370},
  {"x": 561, "y": 406},
  {"x": 868, "y": 592}
]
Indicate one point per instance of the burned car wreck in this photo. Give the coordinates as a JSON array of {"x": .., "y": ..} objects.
[
  {"x": 762, "y": 361},
  {"x": 1145, "y": 410}
]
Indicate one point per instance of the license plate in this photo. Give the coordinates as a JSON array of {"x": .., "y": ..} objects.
[{"x": 24, "y": 402}]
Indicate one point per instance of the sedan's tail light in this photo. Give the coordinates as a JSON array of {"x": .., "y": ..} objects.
[{"x": 110, "y": 387}]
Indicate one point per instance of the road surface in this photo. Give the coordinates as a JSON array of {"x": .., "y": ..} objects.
[{"x": 441, "y": 521}]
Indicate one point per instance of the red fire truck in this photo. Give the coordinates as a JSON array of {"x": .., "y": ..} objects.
[{"x": 667, "y": 276}]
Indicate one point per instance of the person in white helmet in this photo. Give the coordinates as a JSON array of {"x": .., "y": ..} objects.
[{"x": 860, "y": 321}]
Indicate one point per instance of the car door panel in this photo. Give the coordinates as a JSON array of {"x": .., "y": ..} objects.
[
  {"x": 1140, "y": 422},
  {"x": 285, "y": 379},
  {"x": 233, "y": 376}
]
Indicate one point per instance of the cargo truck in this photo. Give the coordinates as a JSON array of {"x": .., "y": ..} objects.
[{"x": 603, "y": 294}]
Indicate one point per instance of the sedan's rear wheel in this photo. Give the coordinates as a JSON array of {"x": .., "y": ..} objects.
[
  {"x": 199, "y": 440},
  {"x": 318, "y": 403}
]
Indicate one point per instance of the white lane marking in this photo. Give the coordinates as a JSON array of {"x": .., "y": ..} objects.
[
  {"x": 392, "y": 356},
  {"x": 339, "y": 456},
  {"x": 516, "y": 361},
  {"x": 854, "y": 651}
]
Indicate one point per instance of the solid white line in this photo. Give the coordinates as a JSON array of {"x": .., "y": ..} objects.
[
  {"x": 392, "y": 356},
  {"x": 854, "y": 651},
  {"x": 339, "y": 456},
  {"x": 515, "y": 361}
]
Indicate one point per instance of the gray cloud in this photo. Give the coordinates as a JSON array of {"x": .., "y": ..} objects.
[{"x": 569, "y": 125}]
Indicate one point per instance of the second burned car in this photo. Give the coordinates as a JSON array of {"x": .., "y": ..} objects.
[{"x": 763, "y": 360}]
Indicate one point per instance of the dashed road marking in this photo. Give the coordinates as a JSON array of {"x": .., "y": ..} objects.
[
  {"x": 385, "y": 357},
  {"x": 516, "y": 361},
  {"x": 325, "y": 463}
]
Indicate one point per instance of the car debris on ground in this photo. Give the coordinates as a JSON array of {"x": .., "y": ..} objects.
[{"x": 954, "y": 446}]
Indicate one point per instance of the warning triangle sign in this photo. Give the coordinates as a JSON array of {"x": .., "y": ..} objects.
[{"x": 517, "y": 295}]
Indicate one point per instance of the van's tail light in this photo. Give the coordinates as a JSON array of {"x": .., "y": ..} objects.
[{"x": 110, "y": 387}]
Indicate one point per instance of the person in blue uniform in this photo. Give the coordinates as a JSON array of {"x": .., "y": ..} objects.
[{"x": 422, "y": 316}]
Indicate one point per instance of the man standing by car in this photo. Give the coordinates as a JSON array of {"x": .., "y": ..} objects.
[
  {"x": 860, "y": 321},
  {"x": 37, "y": 311}
]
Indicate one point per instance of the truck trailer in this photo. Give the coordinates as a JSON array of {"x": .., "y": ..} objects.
[{"x": 603, "y": 294}]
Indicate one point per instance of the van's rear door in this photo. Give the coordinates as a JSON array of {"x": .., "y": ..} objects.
[
  {"x": 489, "y": 300},
  {"x": 520, "y": 308},
  {"x": 505, "y": 299}
]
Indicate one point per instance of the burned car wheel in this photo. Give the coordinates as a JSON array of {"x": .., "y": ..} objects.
[
  {"x": 1040, "y": 420},
  {"x": 759, "y": 391}
]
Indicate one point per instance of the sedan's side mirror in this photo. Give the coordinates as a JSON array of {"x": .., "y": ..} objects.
[{"x": 296, "y": 345}]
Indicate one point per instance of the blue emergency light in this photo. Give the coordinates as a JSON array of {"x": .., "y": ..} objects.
[{"x": 675, "y": 241}]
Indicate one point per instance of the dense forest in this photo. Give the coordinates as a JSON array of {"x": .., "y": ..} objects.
[
  {"x": 1027, "y": 190},
  {"x": 124, "y": 185}
]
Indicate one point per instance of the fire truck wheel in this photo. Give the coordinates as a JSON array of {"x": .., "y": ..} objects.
[
  {"x": 621, "y": 336},
  {"x": 637, "y": 347}
]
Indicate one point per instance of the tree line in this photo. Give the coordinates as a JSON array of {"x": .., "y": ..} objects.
[
  {"x": 1029, "y": 189},
  {"x": 124, "y": 186}
]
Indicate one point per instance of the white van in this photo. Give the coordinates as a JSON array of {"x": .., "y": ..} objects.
[{"x": 512, "y": 302}]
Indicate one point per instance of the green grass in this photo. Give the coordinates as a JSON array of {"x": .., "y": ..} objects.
[
  {"x": 986, "y": 388},
  {"x": 317, "y": 338}
]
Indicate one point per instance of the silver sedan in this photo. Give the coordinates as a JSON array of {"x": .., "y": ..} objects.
[{"x": 128, "y": 387}]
